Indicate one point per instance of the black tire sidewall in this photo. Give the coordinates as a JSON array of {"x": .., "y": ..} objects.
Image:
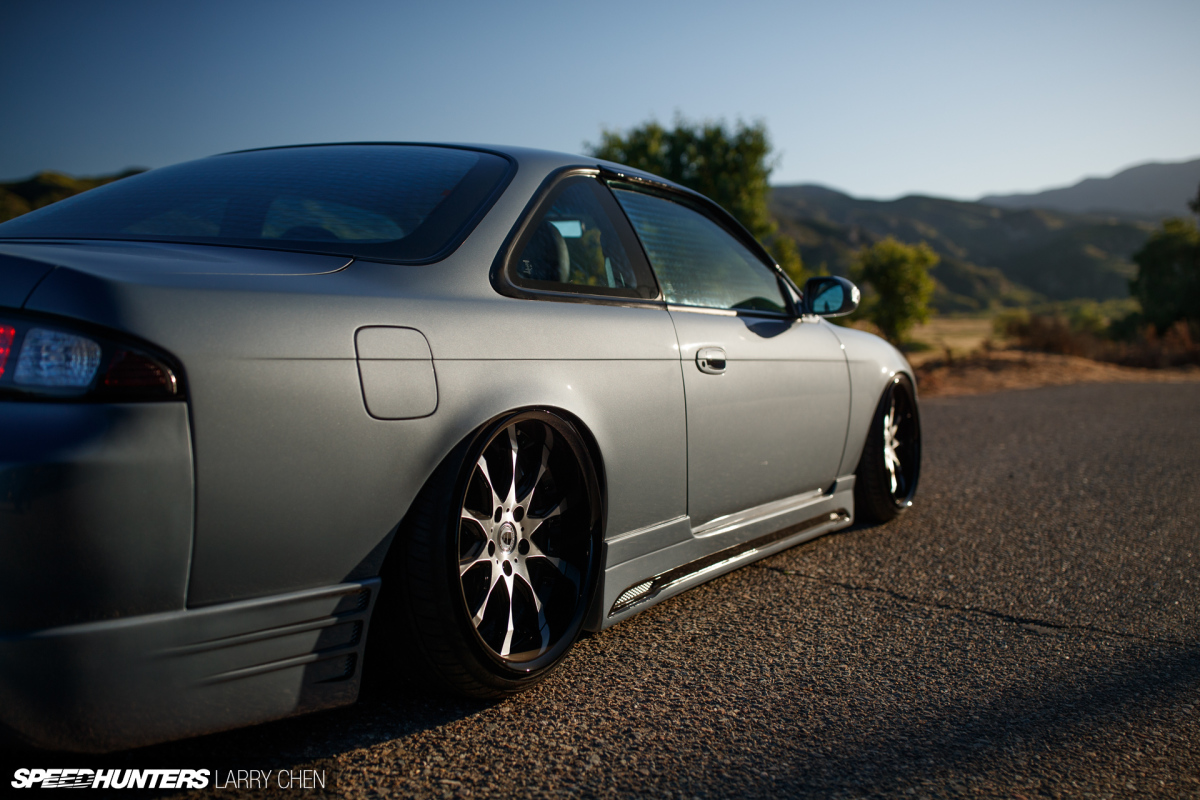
[
  {"x": 449, "y": 640},
  {"x": 873, "y": 498}
]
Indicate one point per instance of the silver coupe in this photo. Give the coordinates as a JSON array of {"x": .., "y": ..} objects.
[{"x": 470, "y": 401}]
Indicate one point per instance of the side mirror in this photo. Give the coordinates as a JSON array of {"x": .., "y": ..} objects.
[{"x": 830, "y": 296}]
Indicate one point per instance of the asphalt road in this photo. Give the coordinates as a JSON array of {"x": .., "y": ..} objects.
[{"x": 1031, "y": 628}]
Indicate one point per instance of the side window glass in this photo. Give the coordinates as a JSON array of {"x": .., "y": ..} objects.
[
  {"x": 697, "y": 262},
  {"x": 575, "y": 246}
]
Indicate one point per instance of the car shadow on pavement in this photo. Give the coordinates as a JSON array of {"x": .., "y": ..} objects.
[
  {"x": 1053, "y": 719},
  {"x": 382, "y": 714},
  {"x": 960, "y": 744}
]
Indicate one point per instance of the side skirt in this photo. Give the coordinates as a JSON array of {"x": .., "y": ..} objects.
[{"x": 636, "y": 584}]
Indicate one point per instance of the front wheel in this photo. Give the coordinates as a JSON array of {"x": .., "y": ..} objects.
[
  {"x": 500, "y": 557},
  {"x": 886, "y": 479}
]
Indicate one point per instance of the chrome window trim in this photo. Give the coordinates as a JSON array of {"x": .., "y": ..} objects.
[{"x": 730, "y": 312}]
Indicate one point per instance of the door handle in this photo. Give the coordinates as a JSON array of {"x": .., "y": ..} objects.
[{"x": 711, "y": 360}]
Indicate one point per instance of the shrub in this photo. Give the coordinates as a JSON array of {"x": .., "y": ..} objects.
[
  {"x": 898, "y": 276},
  {"x": 1177, "y": 346},
  {"x": 1168, "y": 280}
]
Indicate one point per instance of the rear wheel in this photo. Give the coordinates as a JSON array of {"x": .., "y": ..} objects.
[
  {"x": 500, "y": 557},
  {"x": 886, "y": 479}
]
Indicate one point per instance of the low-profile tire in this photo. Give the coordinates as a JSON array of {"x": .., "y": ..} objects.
[
  {"x": 886, "y": 478},
  {"x": 498, "y": 559}
]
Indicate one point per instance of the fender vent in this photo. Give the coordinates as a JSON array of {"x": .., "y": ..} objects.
[
  {"x": 331, "y": 669},
  {"x": 631, "y": 596},
  {"x": 351, "y": 603}
]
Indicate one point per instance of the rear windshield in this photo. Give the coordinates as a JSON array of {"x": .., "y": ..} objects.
[{"x": 407, "y": 203}]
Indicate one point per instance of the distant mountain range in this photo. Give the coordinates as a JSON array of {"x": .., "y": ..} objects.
[
  {"x": 1148, "y": 191},
  {"x": 990, "y": 256},
  {"x": 1060, "y": 244}
]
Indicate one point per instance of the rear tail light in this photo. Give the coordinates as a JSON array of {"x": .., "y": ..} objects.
[
  {"x": 43, "y": 360},
  {"x": 7, "y": 332},
  {"x": 130, "y": 370}
]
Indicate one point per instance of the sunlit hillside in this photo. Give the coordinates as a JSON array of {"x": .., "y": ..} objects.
[
  {"x": 44, "y": 188},
  {"x": 990, "y": 257}
]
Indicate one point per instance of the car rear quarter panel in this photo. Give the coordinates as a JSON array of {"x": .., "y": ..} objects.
[
  {"x": 297, "y": 486},
  {"x": 18, "y": 277},
  {"x": 305, "y": 490}
]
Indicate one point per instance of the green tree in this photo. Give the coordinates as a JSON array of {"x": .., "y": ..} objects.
[
  {"x": 897, "y": 275},
  {"x": 1168, "y": 279},
  {"x": 729, "y": 165}
]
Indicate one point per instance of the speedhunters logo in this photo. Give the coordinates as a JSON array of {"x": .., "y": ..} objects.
[
  {"x": 168, "y": 779},
  {"x": 110, "y": 778}
]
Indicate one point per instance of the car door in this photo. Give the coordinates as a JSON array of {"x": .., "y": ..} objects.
[{"x": 767, "y": 392}]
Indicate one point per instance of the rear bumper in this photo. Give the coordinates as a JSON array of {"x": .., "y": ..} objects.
[
  {"x": 124, "y": 683},
  {"x": 96, "y": 513}
]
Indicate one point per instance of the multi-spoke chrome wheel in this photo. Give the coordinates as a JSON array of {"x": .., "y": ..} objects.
[
  {"x": 524, "y": 541},
  {"x": 891, "y": 460},
  {"x": 499, "y": 558},
  {"x": 890, "y": 444}
]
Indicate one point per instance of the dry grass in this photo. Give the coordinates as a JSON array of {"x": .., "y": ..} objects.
[
  {"x": 960, "y": 336},
  {"x": 1000, "y": 370},
  {"x": 1176, "y": 347},
  {"x": 964, "y": 355}
]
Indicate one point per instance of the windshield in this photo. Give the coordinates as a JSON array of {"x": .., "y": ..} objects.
[{"x": 406, "y": 203}]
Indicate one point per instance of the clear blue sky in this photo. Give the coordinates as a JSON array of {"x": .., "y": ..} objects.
[{"x": 876, "y": 98}]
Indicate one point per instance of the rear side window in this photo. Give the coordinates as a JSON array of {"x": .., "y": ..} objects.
[
  {"x": 388, "y": 202},
  {"x": 697, "y": 262},
  {"x": 579, "y": 243}
]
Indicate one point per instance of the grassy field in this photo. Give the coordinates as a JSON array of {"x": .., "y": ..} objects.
[
  {"x": 961, "y": 335},
  {"x": 957, "y": 355}
]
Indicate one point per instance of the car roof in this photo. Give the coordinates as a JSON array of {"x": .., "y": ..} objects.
[{"x": 545, "y": 160}]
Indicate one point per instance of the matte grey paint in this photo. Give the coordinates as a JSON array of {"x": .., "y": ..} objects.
[
  {"x": 95, "y": 511},
  {"x": 19, "y": 276},
  {"x": 300, "y": 487},
  {"x": 873, "y": 364},
  {"x": 128, "y": 682},
  {"x": 772, "y": 424},
  {"x": 396, "y": 370},
  {"x": 753, "y": 524},
  {"x": 285, "y": 347},
  {"x": 633, "y": 544}
]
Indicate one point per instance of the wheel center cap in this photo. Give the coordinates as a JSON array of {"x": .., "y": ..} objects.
[{"x": 508, "y": 537}]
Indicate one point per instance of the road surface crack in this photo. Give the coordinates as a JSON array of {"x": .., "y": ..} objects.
[{"x": 1033, "y": 624}]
